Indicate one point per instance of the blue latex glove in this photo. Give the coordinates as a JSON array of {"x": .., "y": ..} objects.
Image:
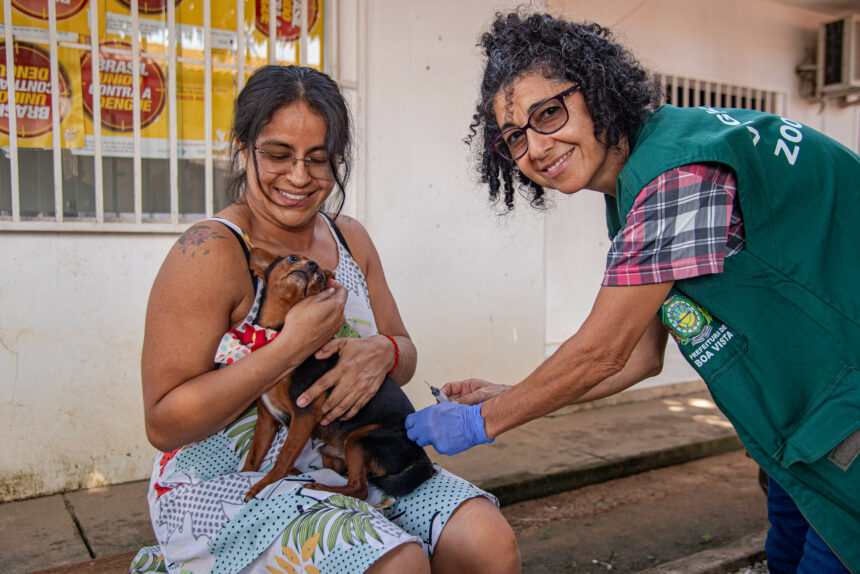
[{"x": 449, "y": 427}]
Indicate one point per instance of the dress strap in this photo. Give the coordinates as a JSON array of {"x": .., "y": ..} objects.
[{"x": 337, "y": 232}]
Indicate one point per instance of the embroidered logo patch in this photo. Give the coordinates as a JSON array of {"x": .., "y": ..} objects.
[{"x": 687, "y": 321}]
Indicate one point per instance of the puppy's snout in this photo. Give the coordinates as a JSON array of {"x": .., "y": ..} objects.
[{"x": 312, "y": 266}]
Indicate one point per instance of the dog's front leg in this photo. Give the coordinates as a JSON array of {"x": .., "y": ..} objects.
[
  {"x": 300, "y": 431},
  {"x": 264, "y": 434}
]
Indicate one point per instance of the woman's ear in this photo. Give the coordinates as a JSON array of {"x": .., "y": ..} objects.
[{"x": 243, "y": 154}]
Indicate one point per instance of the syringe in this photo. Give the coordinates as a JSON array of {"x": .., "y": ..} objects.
[{"x": 437, "y": 394}]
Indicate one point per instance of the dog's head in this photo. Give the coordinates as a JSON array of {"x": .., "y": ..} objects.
[{"x": 288, "y": 279}]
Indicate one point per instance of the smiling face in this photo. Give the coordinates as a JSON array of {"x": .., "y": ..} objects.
[
  {"x": 289, "y": 199},
  {"x": 571, "y": 158}
]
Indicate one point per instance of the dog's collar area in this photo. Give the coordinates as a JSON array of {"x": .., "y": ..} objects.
[
  {"x": 253, "y": 337},
  {"x": 237, "y": 343}
]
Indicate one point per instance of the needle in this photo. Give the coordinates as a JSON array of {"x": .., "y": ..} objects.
[{"x": 439, "y": 395}]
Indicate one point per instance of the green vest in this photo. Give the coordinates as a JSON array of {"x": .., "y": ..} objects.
[{"x": 776, "y": 336}]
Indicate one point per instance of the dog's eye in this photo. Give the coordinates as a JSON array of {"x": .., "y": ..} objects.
[
  {"x": 292, "y": 259},
  {"x": 320, "y": 278}
]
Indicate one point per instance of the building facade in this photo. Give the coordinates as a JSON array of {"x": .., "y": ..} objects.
[{"x": 92, "y": 195}]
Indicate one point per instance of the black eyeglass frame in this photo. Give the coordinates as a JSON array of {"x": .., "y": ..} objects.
[{"x": 495, "y": 145}]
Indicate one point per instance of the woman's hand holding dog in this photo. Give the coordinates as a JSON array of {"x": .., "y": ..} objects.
[
  {"x": 313, "y": 321},
  {"x": 472, "y": 391},
  {"x": 359, "y": 372}
]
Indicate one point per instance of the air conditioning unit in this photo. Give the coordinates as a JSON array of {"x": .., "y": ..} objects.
[{"x": 839, "y": 55}]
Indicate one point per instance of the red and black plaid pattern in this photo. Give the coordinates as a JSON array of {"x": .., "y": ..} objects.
[{"x": 683, "y": 224}]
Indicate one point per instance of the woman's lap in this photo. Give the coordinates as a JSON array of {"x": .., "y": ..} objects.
[
  {"x": 203, "y": 524},
  {"x": 207, "y": 526}
]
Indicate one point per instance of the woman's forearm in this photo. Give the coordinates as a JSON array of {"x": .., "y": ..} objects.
[
  {"x": 202, "y": 405},
  {"x": 646, "y": 361},
  {"x": 598, "y": 352},
  {"x": 407, "y": 360},
  {"x": 562, "y": 379}
]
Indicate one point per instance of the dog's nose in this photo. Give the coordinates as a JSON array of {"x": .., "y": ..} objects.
[{"x": 312, "y": 266}]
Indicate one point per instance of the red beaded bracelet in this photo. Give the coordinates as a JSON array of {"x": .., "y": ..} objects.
[{"x": 396, "y": 354}]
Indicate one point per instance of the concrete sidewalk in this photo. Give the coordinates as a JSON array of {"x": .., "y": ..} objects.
[{"x": 569, "y": 449}]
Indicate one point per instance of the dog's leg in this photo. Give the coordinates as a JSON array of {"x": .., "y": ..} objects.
[
  {"x": 264, "y": 434},
  {"x": 356, "y": 464},
  {"x": 301, "y": 428},
  {"x": 332, "y": 461}
]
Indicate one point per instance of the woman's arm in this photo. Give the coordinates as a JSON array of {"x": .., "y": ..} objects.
[
  {"x": 193, "y": 301},
  {"x": 645, "y": 361},
  {"x": 385, "y": 311},
  {"x": 364, "y": 363},
  {"x": 599, "y": 350},
  {"x": 597, "y": 353}
]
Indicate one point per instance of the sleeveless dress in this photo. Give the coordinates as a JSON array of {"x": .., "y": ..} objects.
[{"x": 196, "y": 494}]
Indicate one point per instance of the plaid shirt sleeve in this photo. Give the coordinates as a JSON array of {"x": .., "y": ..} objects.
[{"x": 683, "y": 224}]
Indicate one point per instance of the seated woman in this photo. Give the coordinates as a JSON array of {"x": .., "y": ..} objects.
[{"x": 292, "y": 139}]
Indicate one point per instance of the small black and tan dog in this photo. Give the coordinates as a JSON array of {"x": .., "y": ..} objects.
[{"x": 371, "y": 446}]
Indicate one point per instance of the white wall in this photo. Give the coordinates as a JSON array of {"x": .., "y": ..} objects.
[
  {"x": 71, "y": 326},
  {"x": 474, "y": 289},
  {"x": 757, "y": 43},
  {"x": 469, "y": 284}
]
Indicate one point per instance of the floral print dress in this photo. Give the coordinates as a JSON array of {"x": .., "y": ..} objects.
[{"x": 196, "y": 496}]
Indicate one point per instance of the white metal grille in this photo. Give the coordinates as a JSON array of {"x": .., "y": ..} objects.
[
  {"x": 692, "y": 92},
  {"x": 136, "y": 211}
]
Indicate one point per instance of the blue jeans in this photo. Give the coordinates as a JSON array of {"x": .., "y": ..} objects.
[{"x": 793, "y": 547}]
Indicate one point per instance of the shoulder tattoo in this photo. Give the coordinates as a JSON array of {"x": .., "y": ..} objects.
[{"x": 194, "y": 238}]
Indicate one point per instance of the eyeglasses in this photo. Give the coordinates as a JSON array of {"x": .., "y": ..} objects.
[
  {"x": 549, "y": 117},
  {"x": 280, "y": 163}
]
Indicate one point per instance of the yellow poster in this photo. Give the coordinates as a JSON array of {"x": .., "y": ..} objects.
[
  {"x": 117, "y": 113},
  {"x": 33, "y": 97},
  {"x": 30, "y": 17}
]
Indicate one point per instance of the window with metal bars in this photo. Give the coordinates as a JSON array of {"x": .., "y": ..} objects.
[
  {"x": 690, "y": 92},
  {"x": 152, "y": 150}
]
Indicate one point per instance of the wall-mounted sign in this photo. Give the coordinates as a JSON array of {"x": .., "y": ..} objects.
[
  {"x": 33, "y": 98},
  {"x": 116, "y": 88},
  {"x": 117, "y": 113}
]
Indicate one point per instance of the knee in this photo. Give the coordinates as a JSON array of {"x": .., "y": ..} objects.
[
  {"x": 498, "y": 545},
  {"x": 405, "y": 558},
  {"x": 477, "y": 538}
]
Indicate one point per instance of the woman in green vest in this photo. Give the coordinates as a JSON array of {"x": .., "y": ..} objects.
[{"x": 732, "y": 230}]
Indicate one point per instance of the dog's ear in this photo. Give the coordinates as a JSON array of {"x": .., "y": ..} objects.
[
  {"x": 329, "y": 275},
  {"x": 260, "y": 260}
]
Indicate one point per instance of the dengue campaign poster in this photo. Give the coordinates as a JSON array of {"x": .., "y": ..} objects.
[{"x": 75, "y": 82}]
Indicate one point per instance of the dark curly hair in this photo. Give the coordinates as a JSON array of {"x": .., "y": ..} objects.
[
  {"x": 269, "y": 89},
  {"x": 617, "y": 90}
]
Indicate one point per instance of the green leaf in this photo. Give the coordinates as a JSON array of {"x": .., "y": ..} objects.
[
  {"x": 375, "y": 534},
  {"x": 359, "y": 529},
  {"x": 305, "y": 530},
  {"x": 347, "y": 529},
  {"x": 243, "y": 445},
  {"x": 241, "y": 428},
  {"x": 372, "y": 531},
  {"x": 313, "y": 526},
  {"x": 335, "y": 530},
  {"x": 324, "y": 520},
  {"x": 141, "y": 562}
]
